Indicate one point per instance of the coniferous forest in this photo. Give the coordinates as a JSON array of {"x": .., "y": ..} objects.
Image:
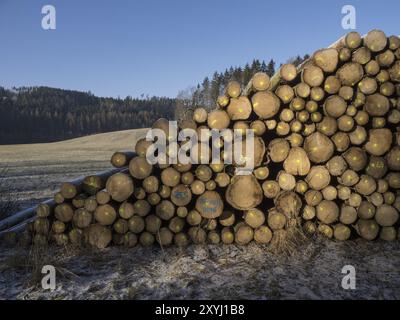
[{"x": 43, "y": 114}]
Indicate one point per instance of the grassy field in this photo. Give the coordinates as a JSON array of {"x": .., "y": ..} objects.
[
  {"x": 314, "y": 271},
  {"x": 35, "y": 171}
]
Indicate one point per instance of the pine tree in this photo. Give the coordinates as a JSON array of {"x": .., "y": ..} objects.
[
  {"x": 270, "y": 68},
  {"x": 263, "y": 67}
]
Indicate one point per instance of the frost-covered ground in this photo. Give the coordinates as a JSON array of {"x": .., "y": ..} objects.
[
  {"x": 207, "y": 272},
  {"x": 35, "y": 171}
]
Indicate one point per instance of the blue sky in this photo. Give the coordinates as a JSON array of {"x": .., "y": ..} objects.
[{"x": 158, "y": 47}]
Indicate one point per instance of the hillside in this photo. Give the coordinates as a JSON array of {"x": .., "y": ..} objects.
[
  {"x": 34, "y": 171},
  {"x": 42, "y": 114}
]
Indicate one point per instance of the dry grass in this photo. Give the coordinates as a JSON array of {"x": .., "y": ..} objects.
[
  {"x": 288, "y": 241},
  {"x": 32, "y": 260},
  {"x": 8, "y": 202}
]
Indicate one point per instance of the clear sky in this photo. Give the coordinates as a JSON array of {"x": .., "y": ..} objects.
[{"x": 158, "y": 47}]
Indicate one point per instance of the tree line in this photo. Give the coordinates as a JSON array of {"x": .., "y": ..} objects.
[
  {"x": 43, "y": 114},
  {"x": 206, "y": 92}
]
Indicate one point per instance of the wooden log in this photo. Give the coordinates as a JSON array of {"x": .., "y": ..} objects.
[
  {"x": 58, "y": 198},
  {"x": 197, "y": 187},
  {"x": 170, "y": 177},
  {"x": 146, "y": 239},
  {"x": 244, "y": 192},
  {"x": 278, "y": 149},
  {"x": 193, "y": 218},
  {"x": 335, "y": 106},
  {"x": 223, "y": 101},
  {"x": 105, "y": 215},
  {"x": 288, "y": 203},
  {"x": 136, "y": 224},
  {"x": 165, "y": 210},
  {"x": 164, "y": 237},
  {"x": 319, "y": 147},
  {"x": 312, "y": 75},
  {"x": 361, "y": 56},
  {"x": 386, "y": 58},
  {"x": 126, "y": 210},
  {"x": 103, "y": 197},
  {"x": 350, "y": 73},
  {"x": 210, "y": 205},
  {"x": 141, "y": 207},
  {"x": 379, "y": 142},
  {"x": 44, "y": 209},
  {"x": 197, "y": 235},
  {"x": 176, "y": 224},
  {"x": 203, "y": 173},
  {"x": 352, "y": 40},
  {"x": 327, "y": 211},
  {"x": 285, "y": 93},
  {"x": 276, "y": 220},
  {"x": 270, "y": 188},
  {"x": 326, "y": 59},
  {"x": 348, "y": 215},
  {"x": 121, "y": 226},
  {"x": 99, "y": 236},
  {"x": 254, "y": 218},
  {"x": 286, "y": 181},
  {"x": 313, "y": 197},
  {"x": 341, "y": 232},
  {"x": 377, "y": 105},
  {"x": 164, "y": 125},
  {"x": 218, "y": 119},
  {"x": 141, "y": 147},
  {"x": 233, "y": 89},
  {"x": 297, "y": 162},
  {"x": 288, "y": 72},
  {"x": 90, "y": 204},
  {"x": 332, "y": 85},
  {"x": 120, "y": 186},
  {"x": 318, "y": 178},
  {"x": 265, "y": 104},
  {"x": 153, "y": 223},
  {"x": 181, "y": 239},
  {"x": 386, "y": 215},
  {"x": 244, "y": 235},
  {"x": 263, "y": 235},
  {"x": 122, "y": 158},
  {"x": 239, "y": 108},
  {"x": 71, "y": 189},
  {"x": 200, "y": 115},
  {"x": 222, "y": 179},
  {"x": 367, "y": 229},
  {"x": 259, "y": 82},
  {"x": 79, "y": 201},
  {"x": 181, "y": 195},
  {"x": 82, "y": 218},
  {"x": 388, "y": 234},
  {"x": 375, "y": 40},
  {"x": 139, "y": 168},
  {"x": 64, "y": 212}
]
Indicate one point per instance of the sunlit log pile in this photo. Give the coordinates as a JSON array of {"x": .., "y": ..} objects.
[{"x": 327, "y": 161}]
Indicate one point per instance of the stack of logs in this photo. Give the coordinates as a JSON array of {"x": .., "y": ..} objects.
[{"x": 327, "y": 159}]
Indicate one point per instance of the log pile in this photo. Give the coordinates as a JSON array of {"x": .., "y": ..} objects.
[{"x": 327, "y": 160}]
